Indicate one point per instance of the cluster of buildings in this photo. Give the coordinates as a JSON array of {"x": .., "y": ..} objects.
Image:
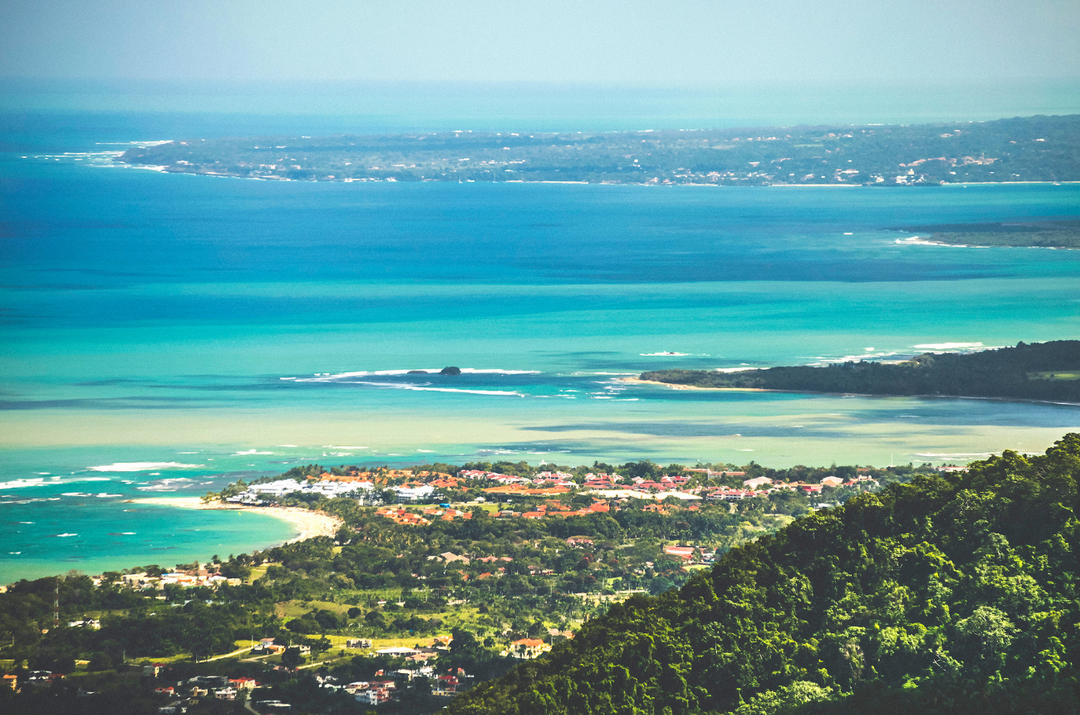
[
  {"x": 362, "y": 486},
  {"x": 187, "y": 578},
  {"x": 182, "y": 693},
  {"x": 559, "y": 479},
  {"x": 400, "y": 515},
  {"x": 763, "y": 486},
  {"x": 555, "y": 508},
  {"x": 35, "y": 678},
  {"x": 410, "y": 486},
  {"x": 375, "y": 692},
  {"x": 256, "y": 494}
]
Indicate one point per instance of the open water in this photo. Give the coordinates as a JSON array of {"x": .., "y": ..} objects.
[{"x": 165, "y": 334}]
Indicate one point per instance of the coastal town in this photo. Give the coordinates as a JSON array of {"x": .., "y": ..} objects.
[
  {"x": 425, "y": 581},
  {"x": 406, "y": 486}
]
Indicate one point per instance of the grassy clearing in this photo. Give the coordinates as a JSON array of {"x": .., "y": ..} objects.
[
  {"x": 1057, "y": 375},
  {"x": 258, "y": 572},
  {"x": 159, "y": 659},
  {"x": 296, "y": 609}
]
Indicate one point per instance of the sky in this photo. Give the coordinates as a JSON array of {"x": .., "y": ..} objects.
[{"x": 678, "y": 43}]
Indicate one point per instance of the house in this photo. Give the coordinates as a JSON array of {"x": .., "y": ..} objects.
[
  {"x": 756, "y": 482},
  {"x": 358, "y": 643},
  {"x": 372, "y": 696},
  {"x": 271, "y": 649},
  {"x": 422, "y": 657},
  {"x": 683, "y": 552},
  {"x": 210, "y": 681},
  {"x": 225, "y": 694},
  {"x": 446, "y": 686},
  {"x": 831, "y": 481},
  {"x": 243, "y": 683},
  {"x": 450, "y": 557},
  {"x": 87, "y": 623},
  {"x": 377, "y": 693},
  {"x": 153, "y": 671},
  {"x": 11, "y": 682},
  {"x": 43, "y": 678},
  {"x": 528, "y": 648}
]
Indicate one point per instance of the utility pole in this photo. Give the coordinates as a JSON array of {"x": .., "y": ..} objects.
[{"x": 56, "y": 606}]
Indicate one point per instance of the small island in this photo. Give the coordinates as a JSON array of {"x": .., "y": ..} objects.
[
  {"x": 1039, "y": 371},
  {"x": 1039, "y": 148}
]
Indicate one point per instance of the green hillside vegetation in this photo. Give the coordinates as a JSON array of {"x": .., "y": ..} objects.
[
  {"x": 1036, "y": 148},
  {"x": 951, "y": 594},
  {"x": 1040, "y": 371}
]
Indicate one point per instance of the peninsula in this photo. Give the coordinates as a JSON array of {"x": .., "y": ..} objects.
[
  {"x": 1040, "y": 371},
  {"x": 1048, "y": 233},
  {"x": 1040, "y": 148}
]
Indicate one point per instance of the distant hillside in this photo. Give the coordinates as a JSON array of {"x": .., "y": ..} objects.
[
  {"x": 955, "y": 594},
  {"x": 1040, "y": 371},
  {"x": 1021, "y": 149}
]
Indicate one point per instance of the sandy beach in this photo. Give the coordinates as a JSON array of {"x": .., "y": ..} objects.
[
  {"x": 309, "y": 523},
  {"x": 673, "y": 386}
]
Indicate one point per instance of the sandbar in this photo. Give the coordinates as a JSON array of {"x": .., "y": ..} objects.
[
  {"x": 676, "y": 386},
  {"x": 309, "y": 523}
]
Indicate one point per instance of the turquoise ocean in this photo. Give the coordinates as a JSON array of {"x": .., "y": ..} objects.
[{"x": 163, "y": 335}]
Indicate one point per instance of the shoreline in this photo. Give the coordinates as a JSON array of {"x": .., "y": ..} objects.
[
  {"x": 674, "y": 386},
  {"x": 170, "y": 169},
  {"x": 308, "y": 523}
]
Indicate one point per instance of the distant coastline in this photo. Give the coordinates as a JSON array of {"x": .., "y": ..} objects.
[{"x": 1021, "y": 150}]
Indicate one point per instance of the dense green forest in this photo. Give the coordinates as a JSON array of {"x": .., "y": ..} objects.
[
  {"x": 1037, "y": 148},
  {"x": 954, "y": 593},
  {"x": 1040, "y": 371}
]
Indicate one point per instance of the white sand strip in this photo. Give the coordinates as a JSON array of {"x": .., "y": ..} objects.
[{"x": 309, "y": 523}]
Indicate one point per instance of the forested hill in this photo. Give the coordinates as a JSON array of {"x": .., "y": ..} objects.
[
  {"x": 952, "y": 594},
  {"x": 1037, "y": 148},
  {"x": 1040, "y": 371}
]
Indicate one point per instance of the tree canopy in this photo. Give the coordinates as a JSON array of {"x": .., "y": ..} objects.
[{"x": 948, "y": 593}]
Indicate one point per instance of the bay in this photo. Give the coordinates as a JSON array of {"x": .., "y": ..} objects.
[{"x": 217, "y": 328}]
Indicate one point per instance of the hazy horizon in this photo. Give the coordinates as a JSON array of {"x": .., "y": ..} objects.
[{"x": 689, "y": 44}]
